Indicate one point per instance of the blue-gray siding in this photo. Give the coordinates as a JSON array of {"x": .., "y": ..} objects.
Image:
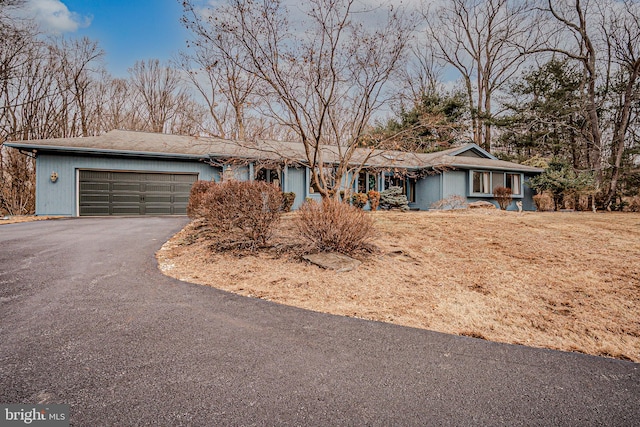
[
  {"x": 296, "y": 182},
  {"x": 454, "y": 183},
  {"x": 61, "y": 197},
  {"x": 428, "y": 191}
]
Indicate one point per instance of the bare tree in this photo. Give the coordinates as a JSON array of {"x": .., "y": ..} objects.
[
  {"x": 78, "y": 71},
  {"x": 605, "y": 40},
  {"x": 623, "y": 39},
  {"x": 322, "y": 79},
  {"x": 210, "y": 67},
  {"x": 22, "y": 57},
  {"x": 159, "y": 92},
  {"x": 485, "y": 40}
]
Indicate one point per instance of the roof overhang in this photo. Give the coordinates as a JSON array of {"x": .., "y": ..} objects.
[
  {"x": 35, "y": 148},
  {"x": 485, "y": 167}
]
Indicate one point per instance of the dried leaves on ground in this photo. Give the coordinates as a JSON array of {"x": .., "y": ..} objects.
[{"x": 567, "y": 281}]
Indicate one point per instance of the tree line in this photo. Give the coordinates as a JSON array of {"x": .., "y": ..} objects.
[{"x": 557, "y": 80}]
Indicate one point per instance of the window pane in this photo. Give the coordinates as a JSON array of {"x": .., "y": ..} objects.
[
  {"x": 411, "y": 193},
  {"x": 373, "y": 184},
  {"x": 362, "y": 182},
  {"x": 477, "y": 182},
  {"x": 513, "y": 182},
  {"x": 498, "y": 179}
]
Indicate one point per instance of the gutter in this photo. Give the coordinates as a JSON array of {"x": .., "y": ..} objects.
[
  {"x": 119, "y": 153},
  {"x": 459, "y": 166}
]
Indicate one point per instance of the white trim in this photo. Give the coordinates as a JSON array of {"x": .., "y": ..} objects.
[{"x": 77, "y": 192}]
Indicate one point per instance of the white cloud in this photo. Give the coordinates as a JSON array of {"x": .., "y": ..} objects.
[{"x": 54, "y": 16}]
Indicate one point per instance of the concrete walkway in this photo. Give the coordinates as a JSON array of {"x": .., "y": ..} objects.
[{"x": 86, "y": 319}]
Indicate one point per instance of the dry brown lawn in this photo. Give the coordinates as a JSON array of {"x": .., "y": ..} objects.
[{"x": 566, "y": 281}]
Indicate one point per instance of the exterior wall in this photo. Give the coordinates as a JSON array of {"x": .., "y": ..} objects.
[
  {"x": 296, "y": 182},
  {"x": 455, "y": 183},
  {"x": 450, "y": 183},
  {"x": 527, "y": 200},
  {"x": 61, "y": 197},
  {"x": 428, "y": 191}
]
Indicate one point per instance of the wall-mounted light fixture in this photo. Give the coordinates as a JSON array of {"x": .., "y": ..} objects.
[{"x": 54, "y": 176}]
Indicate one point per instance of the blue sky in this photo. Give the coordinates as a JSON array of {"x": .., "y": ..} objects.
[{"x": 128, "y": 30}]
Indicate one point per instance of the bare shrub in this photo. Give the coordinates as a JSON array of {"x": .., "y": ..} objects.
[
  {"x": 503, "y": 196},
  {"x": 287, "y": 201},
  {"x": 196, "y": 196},
  {"x": 452, "y": 202},
  {"x": 331, "y": 226},
  {"x": 359, "y": 200},
  {"x": 242, "y": 213},
  {"x": 634, "y": 204},
  {"x": 17, "y": 183},
  {"x": 543, "y": 202},
  {"x": 374, "y": 199}
]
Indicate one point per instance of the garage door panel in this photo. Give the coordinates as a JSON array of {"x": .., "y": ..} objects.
[
  {"x": 95, "y": 198},
  {"x": 157, "y": 198},
  {"x": 131, "y": 193},
  {"x": 160, "y": 188},
  {"x": 126, "y": 186},
  {"x": 158, "y": 210},
  {"x": 125, "y": 210},
  {"x": 131, "y": 199}
]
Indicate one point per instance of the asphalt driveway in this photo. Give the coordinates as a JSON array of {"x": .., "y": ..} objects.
[{"x": 86, "y": 319}]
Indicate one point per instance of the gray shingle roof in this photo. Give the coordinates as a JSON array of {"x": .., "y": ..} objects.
[{"x": 143, "y": 144}]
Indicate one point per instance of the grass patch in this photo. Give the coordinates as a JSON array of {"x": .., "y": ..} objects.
[{"x": 566, "y": 281}]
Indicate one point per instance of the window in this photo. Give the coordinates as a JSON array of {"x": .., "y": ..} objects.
[
  {"x": 329, "y": 174},
  {"x": 513, "y": 181},
  {"x": 393, "y": 181},
  {"x": 367, "y": 181},
  {"x": 269, "y": 175},
  {"x": 411, "y": 190},
  {"x": 482, "y": 182},
  {"x": 408, "y": 185}
]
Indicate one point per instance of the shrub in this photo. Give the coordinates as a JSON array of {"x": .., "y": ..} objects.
[
  {"x": 503, "y": 196},
  {"x": 543, "y": 202},
  {"x": 374, "y": 199},
  {"x": 287, "y": 201},
  {"x": 394, "y": 198},
  {"x": 359, "y": 200},
  {"x": 243, "y": 213},
  {"x": 452, "y": 202},
  {"x": 196, "y": 195},
  {"x": 634, "y": 204},
  {"x": 331, "y": 226}
]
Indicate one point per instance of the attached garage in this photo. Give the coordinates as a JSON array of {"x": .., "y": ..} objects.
[
  {"x": 118, "y": 173},
  {"x": 133, "y": 193}
]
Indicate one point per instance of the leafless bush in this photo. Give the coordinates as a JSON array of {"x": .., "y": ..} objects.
[
  {"x": 451, "y": 202},
  {"x": 331, "y": 226},
  {"x": 17, "y": 183},
  {"x": 543, "y": 202},
  {"x": 503, "y": 196},
  {"x": 359, "y": 200},
  {"x": 634, "y": 204},
  {"x": 196, "y": 196},
  {"x": 287, "y": 201},
  {"x": 243, "y": 214},
  {"x": 374, "y": 199}
]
